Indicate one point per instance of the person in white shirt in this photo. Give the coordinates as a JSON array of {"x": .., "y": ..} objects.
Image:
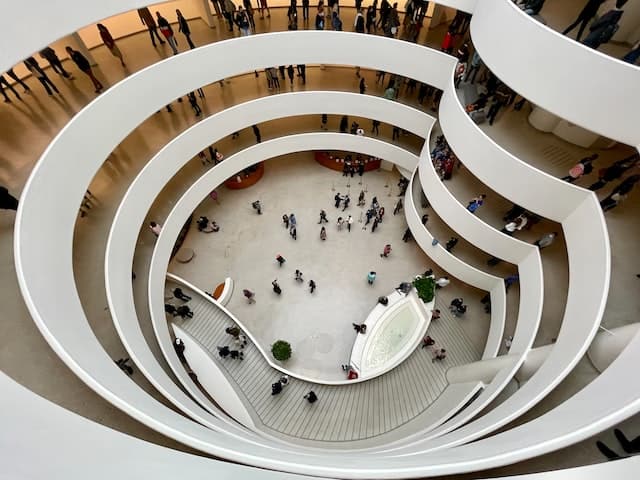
[
  {"x": 442, "y": 282},
  {"x": 156, "y": 228}
]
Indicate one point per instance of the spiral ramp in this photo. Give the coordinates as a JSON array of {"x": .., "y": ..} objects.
[{"x": 45, "y": 271}]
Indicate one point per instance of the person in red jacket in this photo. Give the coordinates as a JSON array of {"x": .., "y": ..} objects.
[
  {"x": 110, "y": 43},
  {"x": 447, "y": 42}
]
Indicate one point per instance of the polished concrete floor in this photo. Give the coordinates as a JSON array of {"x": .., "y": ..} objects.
[{"x": 28, "y": 127}]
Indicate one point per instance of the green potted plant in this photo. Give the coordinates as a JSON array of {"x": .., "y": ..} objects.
[
  {"x": 281, "y": 350},
  {"x": 425, "y": 287}
]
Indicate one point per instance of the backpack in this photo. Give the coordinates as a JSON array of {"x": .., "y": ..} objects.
[{"x": 608, "y": 32}]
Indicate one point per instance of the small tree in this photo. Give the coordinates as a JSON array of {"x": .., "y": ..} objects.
[
  {"x": 281, "y": 350},
  {"x": 425, "y": 287}
]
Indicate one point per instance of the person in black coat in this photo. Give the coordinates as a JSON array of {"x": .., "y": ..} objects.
[
  {"x": 183, "y": 26},
  {"x": 603, "y": 29},
  {"x": 584, "y": 17},
  {"x": 85, "y": 67}
]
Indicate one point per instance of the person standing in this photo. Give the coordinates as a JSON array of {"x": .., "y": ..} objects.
[
  {"x": 85, "y": 67},
  {"x": 167, "y": 31},
  {"x": 248, "y": 8},
  {"x": 386, "y": 251},
  {"x": 320, "y": 16},
  {"x": 49, "y": 54},
  {"x": 183, "y": 27},
  {"x": 371, "y": 17},
  {"x": 3, "y": 81},
  {"x": 371, "y": 277},
  {"x": 349, "y": 223},
  {"x": 583, "y": 167},
  {"x": 344, "y": 124},
  {"x": 442, "y": 282},
  {"x": 256, "y": 132},
  {"x": 363, "y": 86},
  {"x": 263, "y": 6},
  {"x": 323, "y": 233},
  {"x": 229, "y": 12},
  {"x": 194, "y": 103},
  {"x": 603, "y": 29},
  {"x": 407, "y": 235},
  {"x": 305, "y": 10},
  {"x": 398, "y": 207},
  {"x": 290, "y": 74},
  {"x": 276, "y": 287},
  {"x": 546, "y": 240},
  {"x": 147, "y": 19},
  {"x": 110, "y": 43},
  {"x": 584, "y": 17},
  {"x": 7, "y": 201},
  {"x": 242, "y": 21},
  {"x": 35, "y": 69},
  {"x": 359, "y": 23},
  {"x": 312, "y": 286},
  {"x": 155, "y": 228}
]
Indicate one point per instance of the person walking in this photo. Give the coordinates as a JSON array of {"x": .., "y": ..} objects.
[
  {"x": 425, "y": 219},
  {"x": 256, "y": 132},
  {"x": 398, "y": 207},
  {"x": 363, "y": 86},
  {"x": 344, "y": 124},
  {"x": 359, "y": 22},
  {"x": 110, "y": 43},
  {"x": 5, "y": 83},
  {"x": 183, "y": 27},
  {"x": 346, "y": 200},
  {"x": 584, "y": 17},
  {"x": 371, "y": 277},
  {"x": 280, "y": 259},
  {"x": 50, "y": 55},
  {"x": 194, "y": 104},
  {"x": 228, "y": 11},
  {"x": 7, "y": 201},
  {"x": 249, "y": 295},
  {"x": 85, "y": 67},
  {"x": 546, "y": 240},
  {"x": 453, "y": 241},
  {"x": 147, "y": 19},
  {"x": 312, "y": 286},
  {"x": 15, "y": 77},
  {"x": 276, "y": 287},
  {"x": 290, "y": 74},
  {"x": 293, "y": 232},
  {"x": 305, "y": 10},
  {"x": 386, "y": 251},
  {"x": 407, "y": 235},
  {"x": 323, "y": 217},
  {"x": 298, "y": 276},
  {"x": 167, "y": 31},
  {"x": 285, "y": 220},
  {"x": 35, "y": 69}
]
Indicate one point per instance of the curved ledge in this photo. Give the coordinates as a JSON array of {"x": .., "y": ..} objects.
[{"x": 567, "y": 75}]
